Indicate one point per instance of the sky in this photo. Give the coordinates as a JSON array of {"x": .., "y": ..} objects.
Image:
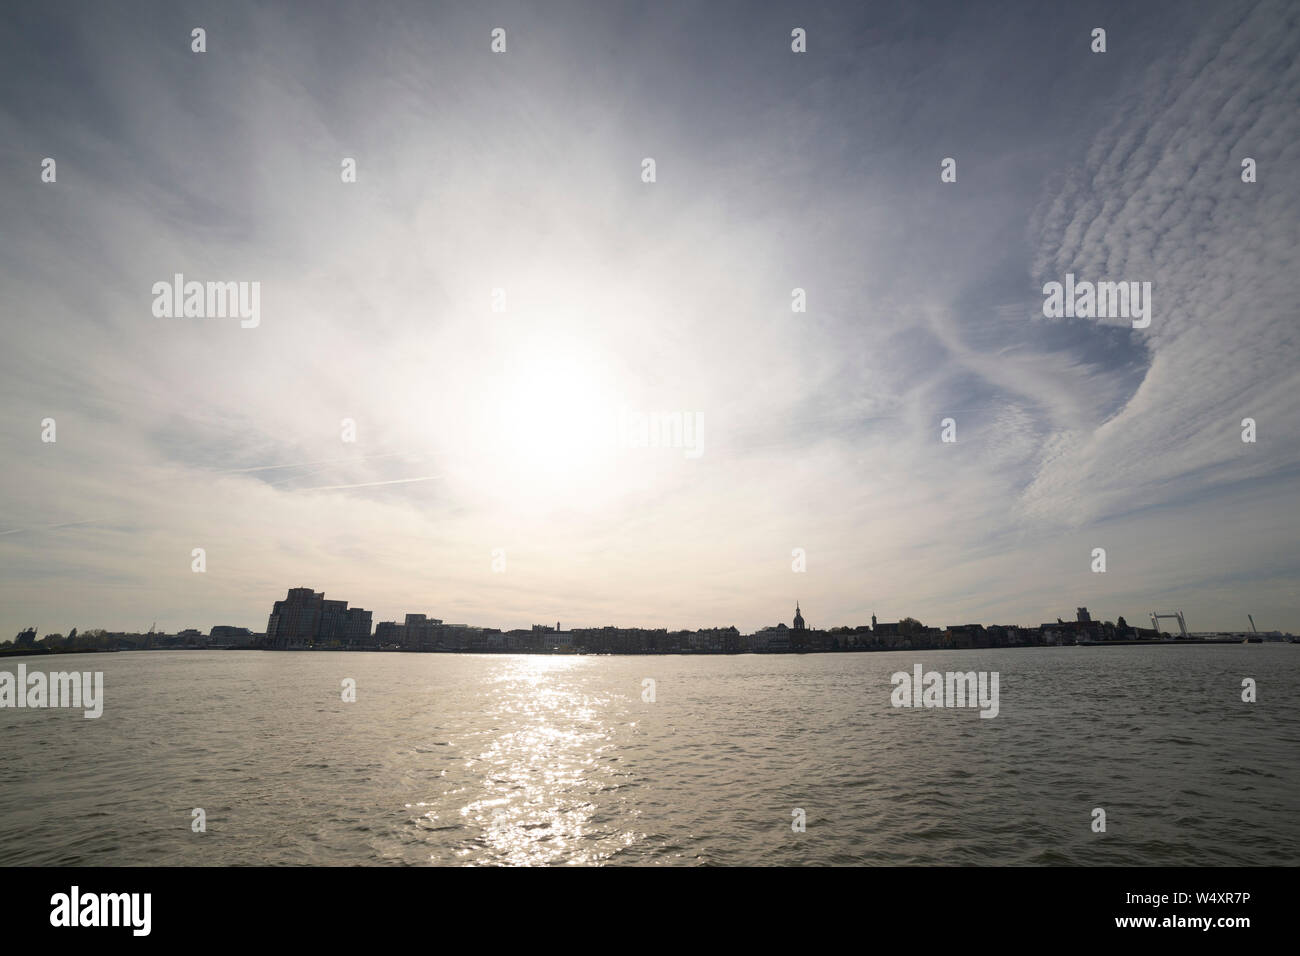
[{"x": 490, "y": 481}]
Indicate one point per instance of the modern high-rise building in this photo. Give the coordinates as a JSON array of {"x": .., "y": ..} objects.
[
  {"x": 333, "y": 615},
  {"x": 356, "y": 627},
  {"x": 295, "y": 621},
  {"x": 305, "y": 618}
]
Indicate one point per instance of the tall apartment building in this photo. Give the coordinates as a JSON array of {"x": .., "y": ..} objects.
[
  {"x": 305, "y": 618},
  {"x": 356, "y": 627}
]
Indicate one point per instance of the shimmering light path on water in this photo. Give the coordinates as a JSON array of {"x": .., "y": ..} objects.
[{"x": 458, "y": 759}]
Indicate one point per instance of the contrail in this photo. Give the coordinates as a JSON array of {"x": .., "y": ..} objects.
[
  {"x": 321, "y": 461},
  {"x": 298, "y": 477},
  {"x": 50, "y": 527},
  {"x": 369, "y": 484}
]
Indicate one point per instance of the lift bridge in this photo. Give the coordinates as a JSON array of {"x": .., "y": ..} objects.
[{"x": 1157, "y": 615}]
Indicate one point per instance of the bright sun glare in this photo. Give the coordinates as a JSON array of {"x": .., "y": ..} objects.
[{"x": 553, "y": 428}]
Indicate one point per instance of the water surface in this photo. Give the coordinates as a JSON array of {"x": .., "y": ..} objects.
[{"x": 488, "y": 759}]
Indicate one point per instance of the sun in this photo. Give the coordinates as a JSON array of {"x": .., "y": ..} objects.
[{"x": 551, "y": 427}]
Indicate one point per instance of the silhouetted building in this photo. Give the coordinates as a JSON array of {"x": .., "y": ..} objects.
[
  {"x": 295, "y": 621},
  {"x": 356, "y": 627},
  {"x": 229, "y": 634},
  {"x": 965, "y": 635},
  {"x": 624, "y": 640},
  {"x": 417, "y": 631},
  {"x": 304, "y": 618},
  {"x": 772, "y": 639},
  {"x": 333, "y": 614}
]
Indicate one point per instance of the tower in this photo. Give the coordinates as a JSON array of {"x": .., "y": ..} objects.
[{"x": 798, "y": 618}]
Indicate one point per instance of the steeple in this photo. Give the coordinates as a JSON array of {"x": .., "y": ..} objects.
[{"x": 798, "y": 617}]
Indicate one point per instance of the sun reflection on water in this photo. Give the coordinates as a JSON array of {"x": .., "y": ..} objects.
[{"x": 543, "y": 775}]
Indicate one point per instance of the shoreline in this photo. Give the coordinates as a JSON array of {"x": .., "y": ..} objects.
[{"x": 6, "y": 655}]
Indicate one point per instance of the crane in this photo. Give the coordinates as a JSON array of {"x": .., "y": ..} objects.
[{"x": 1157, "y": 615}]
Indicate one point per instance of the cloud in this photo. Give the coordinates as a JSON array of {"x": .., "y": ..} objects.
[
  {"x": 522, "y": 173},
  {"x": 1160, "y": 199}
]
